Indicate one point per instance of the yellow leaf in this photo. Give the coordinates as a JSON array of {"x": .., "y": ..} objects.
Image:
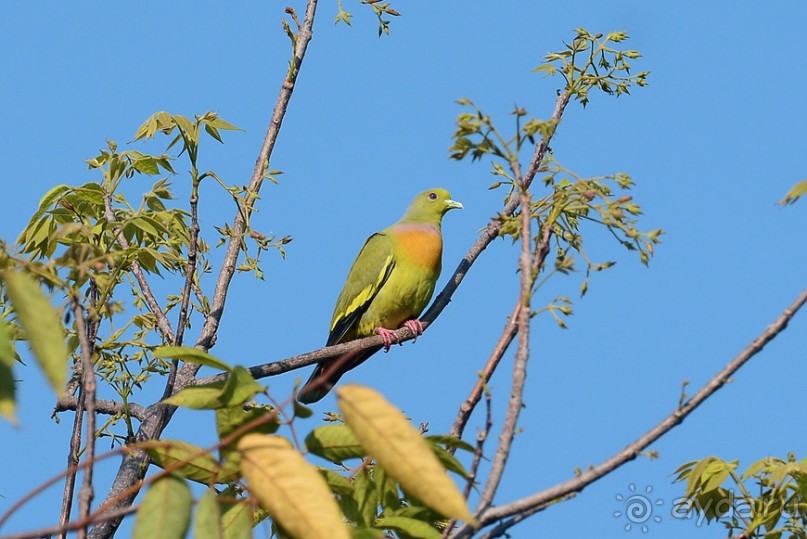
[
  {"x": 290, "y": 489},
  {"x": 399, "y": 448},
  {"x": 42, "y": 326}
]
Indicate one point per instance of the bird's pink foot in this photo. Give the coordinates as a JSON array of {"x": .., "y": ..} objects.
[
  {"x": 415, "y": 327},
  {"x": 388, "y": 336}
]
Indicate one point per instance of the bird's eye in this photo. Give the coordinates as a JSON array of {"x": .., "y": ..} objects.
[{"x": 433, "y": 196}]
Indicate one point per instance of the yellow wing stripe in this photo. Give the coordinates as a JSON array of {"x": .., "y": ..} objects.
[{"x": 366, "y": 294}]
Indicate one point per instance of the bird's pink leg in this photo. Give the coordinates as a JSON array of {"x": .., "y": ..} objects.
[
  {"x": 389, "y": 336},
  {"x": 415, "y": 327}
]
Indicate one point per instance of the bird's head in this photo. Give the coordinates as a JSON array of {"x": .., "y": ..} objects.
[{"x": 430, "y": 206}]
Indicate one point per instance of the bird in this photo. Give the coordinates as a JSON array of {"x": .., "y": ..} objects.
[{"x": 388, "y": 286}]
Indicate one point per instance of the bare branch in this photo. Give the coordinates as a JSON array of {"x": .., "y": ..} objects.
[
  {"x": 190, "y": 276},
  {"x": 519, "y": 365},
  {"x": 507, "y": 336},
  {"x": 481, "y": 437},
  {"x": 88, "y": 404},
  {"x": 309, "y": 358},
  {"x": 67, "y": 403},
  {"x": 75, "y": 525},
  {"x": 541, "y": 500},
  {"x": 72, "y": 458},
  {"x": 190, "y": 268}
]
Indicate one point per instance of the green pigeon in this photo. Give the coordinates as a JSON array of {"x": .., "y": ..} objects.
[{"x": 388, "y": 286}]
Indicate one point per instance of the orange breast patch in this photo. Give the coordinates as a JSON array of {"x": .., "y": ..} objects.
[{"x": 421, "y": 247}]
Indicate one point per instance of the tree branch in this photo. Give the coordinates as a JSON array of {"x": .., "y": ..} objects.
[
  {"x": 88, "y": 404},
  {"x": 72, "y": 457},
  {"x": 491, "y": 231},
  {"x": 157, "y": 416},
  {"x": 519, "y": 365},
  {"x": 67, "y": 403},
  {"x": 541, "y": 500},
  {"x": 507, "y": 336}
]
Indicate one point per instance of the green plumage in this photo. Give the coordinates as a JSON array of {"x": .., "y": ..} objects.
[{"x": 391, "y": 282}]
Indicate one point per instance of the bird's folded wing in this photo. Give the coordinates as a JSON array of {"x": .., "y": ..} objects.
[{"x": 367, "y": 276}]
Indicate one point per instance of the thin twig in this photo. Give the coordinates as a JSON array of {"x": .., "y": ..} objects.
[
  {"x": 133, "y": 467},
  {"x": 75, "y": 525},
  {"x": 72, "y": 459},
  {"x": 481, "y": 437},
  {"x": 190, "y": 274},
  {"x": 53, "y": 480},
  {"x": 88, "y": 403},
  {"x": 541, "y": 500},
  {"x": 190, "y": 268},
  {"x": 516, "y": 401},
  {"x": 508, "y": 334}
]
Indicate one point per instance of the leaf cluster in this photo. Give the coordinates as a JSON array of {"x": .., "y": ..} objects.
[
  {"x": 380, "y": 10},
  {"x": 594, "y": 62},
  {"x": 768, "y": 500},
  {"x": 399, "y": 486}
]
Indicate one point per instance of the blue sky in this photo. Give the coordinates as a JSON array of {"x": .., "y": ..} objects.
[{"x": 713, "y": 143}]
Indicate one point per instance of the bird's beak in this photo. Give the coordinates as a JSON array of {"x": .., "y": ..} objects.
[{"x": 453, "y": 204}]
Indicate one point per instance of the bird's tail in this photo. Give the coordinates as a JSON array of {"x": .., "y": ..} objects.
[{"x": 329, "y": 372}]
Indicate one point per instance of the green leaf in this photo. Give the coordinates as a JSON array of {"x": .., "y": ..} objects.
[
  {"x": 207, "y": 524},
  {"x": 232, "y": 418},
  {"x": 449, "y": 461},
  {"x": 218, "y": 123},
  {"x": 450, "y": 441},
  {"x": 412, "y": 528},
  {"x": 46, "y": 202},
  {"x": 146, "y": 165},
  {"x": 366, "y": 496},
  {"x": 756, "y": 467},
  {"x": 238, "y": 389},
  {"x": 335, "y": 443},
  {"x": 360, "y": 532},
  {"x": 302, "y": 411},
  {"x": 236, "y": 520},
  {"x": 41, "y": 324},
  {"x": 192, "y": 355},
  {"x": 338, "y": 483},
  {"x": 186, "y": 460},
  {"x": 201, "y": 397},
  {"x": 165, "y": 512},
  {"x": 186, "y": 126}
]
